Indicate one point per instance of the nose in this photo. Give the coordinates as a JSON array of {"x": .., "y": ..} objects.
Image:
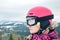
[{"x": 29, "y": 26}]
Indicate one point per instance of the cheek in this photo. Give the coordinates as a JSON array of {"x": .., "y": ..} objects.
[{"x": 34, "y": 29}]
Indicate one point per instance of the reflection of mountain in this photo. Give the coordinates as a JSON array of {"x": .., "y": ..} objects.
[{"x": 15, "y": 27}]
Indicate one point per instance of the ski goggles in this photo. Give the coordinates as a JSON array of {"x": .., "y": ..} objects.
[{"x": 32, "y": 20}]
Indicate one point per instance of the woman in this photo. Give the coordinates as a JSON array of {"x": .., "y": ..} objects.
[{"x": 39, "y": 22}]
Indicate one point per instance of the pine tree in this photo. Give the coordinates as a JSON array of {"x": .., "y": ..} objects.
[
  {"x": 19, "y": 37},
  {"x": 11, "y": 36},
  {"x": 0, "y": 35}
]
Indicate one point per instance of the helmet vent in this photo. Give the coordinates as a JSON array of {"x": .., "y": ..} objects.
[{"x": 31, "y": 13}]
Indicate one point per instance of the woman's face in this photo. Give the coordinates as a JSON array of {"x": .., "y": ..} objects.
[{"x": 33, "y": 29}]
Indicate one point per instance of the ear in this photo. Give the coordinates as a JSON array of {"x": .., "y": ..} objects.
[{"x": 38, "y": 24}]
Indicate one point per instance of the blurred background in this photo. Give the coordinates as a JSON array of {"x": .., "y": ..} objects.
[{"x": 13, "y": 17}]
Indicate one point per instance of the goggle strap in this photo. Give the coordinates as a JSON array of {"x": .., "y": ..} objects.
[{"x": 46, "y": 18}]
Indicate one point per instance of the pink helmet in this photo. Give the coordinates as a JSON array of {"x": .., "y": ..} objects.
[
  {"x": 40, "y": 11},
  {"x": 42, "y": 15}
]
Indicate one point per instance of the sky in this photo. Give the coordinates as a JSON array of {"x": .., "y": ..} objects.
[{"x": 16, "y": 10}]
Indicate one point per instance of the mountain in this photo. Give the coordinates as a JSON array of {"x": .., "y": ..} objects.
[
  {"x": 16, "y": 27},
  {"x": 58, "y": 29}
]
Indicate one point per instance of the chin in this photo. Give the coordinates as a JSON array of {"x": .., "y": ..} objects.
[{"x": 32, "y": 32}]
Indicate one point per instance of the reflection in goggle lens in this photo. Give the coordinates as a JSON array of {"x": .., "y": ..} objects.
[{"x": 31, "y": 21}]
